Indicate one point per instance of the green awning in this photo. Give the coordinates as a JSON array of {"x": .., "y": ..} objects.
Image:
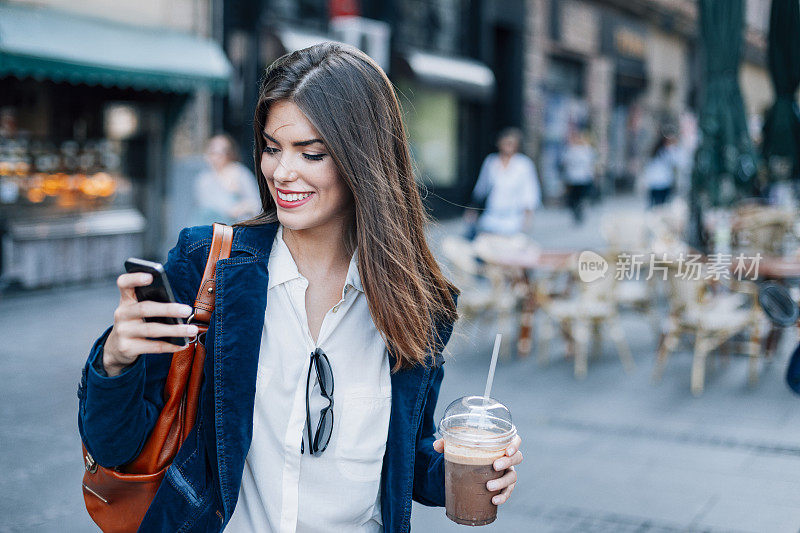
[{"x": 48, "y": 44}]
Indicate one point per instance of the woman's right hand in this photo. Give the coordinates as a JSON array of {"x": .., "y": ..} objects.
[{"x": 131, "y": 336}]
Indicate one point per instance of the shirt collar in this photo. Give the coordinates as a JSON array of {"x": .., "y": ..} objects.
[
  {"x": 282, "y": 267},
  {"x": 353, "y": 279}
]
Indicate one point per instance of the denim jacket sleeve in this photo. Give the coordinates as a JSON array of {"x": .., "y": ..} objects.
[
  {"x": 116, "y": 414},
  {"x": 428, "y": 463}
]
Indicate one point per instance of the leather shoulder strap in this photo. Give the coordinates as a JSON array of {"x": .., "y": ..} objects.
[{"x": 220, "y": 249}]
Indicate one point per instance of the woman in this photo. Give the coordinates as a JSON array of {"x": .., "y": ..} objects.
[
  {"x": 661, "y": 170},
  {"x": 578, "y": 162},
  {"x": 509, "y": 186},
  {"x": 227, "y": 191},
  {"x": 337, "y": 267}
]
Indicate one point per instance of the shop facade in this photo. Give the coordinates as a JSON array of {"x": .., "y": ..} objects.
[{"x": 89, "y": 108}]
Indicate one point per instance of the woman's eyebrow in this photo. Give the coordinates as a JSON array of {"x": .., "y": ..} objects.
[{"x": 297, "y": 143}]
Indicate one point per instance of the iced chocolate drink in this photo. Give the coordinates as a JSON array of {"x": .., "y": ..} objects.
[{"x": 476, "y": 432}]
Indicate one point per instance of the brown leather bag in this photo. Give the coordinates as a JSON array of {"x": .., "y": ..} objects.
[{"x": 118, "y": 498}]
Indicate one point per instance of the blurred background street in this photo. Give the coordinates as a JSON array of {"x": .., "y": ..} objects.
[{"x": 657, "y": 134}]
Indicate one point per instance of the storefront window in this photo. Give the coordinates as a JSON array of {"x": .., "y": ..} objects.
[
  {"x": 60, "y": 177},
  {"x": 68, "y": 209},
  {"x": 431, "y": 117}
]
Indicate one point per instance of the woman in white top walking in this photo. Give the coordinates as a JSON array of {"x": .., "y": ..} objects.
[
  {"x": 331, "y": 293},
  {"x": 227, "y": 191},
  {"x": 510, "y": 187},
  {"x": 578, "y": 164},
  {"x": 662, "y": 169}
]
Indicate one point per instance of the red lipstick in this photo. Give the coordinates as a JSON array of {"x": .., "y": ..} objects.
[{"x": 286, "y": 204}]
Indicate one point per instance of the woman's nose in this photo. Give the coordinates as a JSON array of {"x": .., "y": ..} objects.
[{"x": 284, "y": 172}]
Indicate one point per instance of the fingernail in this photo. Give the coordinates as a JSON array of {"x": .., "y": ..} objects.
[
  {"x": 496, "y": 500},
  {"x": 186, "y": 310},
  {"x": 192, "y": 330},
  {"x": 491, "y": 485}
]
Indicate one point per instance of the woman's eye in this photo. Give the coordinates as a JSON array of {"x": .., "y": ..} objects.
[
  {"x": 270, "y": 150},
  {"x": 314, "y": 157}
]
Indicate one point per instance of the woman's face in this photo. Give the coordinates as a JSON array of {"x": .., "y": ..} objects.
[
  {"x": 508, "y": 145},
  {"x": 217, "y": 153},
  {"x": 300, "y": 172}
]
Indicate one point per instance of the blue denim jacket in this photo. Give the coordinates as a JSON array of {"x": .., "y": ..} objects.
[{"x": 201, "y": 487}]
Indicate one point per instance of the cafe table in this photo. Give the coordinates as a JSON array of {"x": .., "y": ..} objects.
[{"x": 528, "y": 263}]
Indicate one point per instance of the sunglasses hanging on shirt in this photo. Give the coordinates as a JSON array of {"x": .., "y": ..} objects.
[{"x": 322, "y": 436}]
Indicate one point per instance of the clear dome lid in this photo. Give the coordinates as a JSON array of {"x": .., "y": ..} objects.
[{"x": 477, "y": 421}]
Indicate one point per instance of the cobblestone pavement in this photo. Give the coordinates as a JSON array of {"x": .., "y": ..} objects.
[{"x": 612, "y": 453}]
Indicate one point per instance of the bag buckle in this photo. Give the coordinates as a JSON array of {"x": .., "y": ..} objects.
[{"x": 189, "y": 321}]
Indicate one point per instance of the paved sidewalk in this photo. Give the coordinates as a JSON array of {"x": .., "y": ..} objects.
[{"x": 611, "y": 453}]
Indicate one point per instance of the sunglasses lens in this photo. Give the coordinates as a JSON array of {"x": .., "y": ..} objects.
[
  {"x": 324, "y": 431},
  {"x": 325, "y": 375}
]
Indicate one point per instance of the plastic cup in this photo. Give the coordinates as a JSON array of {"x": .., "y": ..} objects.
[{"x": 476, "y": 432}]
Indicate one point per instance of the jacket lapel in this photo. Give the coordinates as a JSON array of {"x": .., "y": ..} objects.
[{"x": 241, "y": 299}]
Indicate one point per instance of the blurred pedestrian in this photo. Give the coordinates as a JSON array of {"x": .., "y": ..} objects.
[
  {"x": 662, "y": 169},
  {"x": 227, "y": 191},
  {"x": 578, "y": 164},
  {"x": 509, "y": 186},
  {"x": 333, "y": 282}
]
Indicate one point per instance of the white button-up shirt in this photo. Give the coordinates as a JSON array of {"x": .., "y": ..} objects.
[{"x": 283, "y": 490}]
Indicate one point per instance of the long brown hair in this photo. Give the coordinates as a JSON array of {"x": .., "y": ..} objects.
[{"x": 350, "y": 101}]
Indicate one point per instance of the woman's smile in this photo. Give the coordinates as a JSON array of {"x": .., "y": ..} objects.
[{"x": 291, "y": 199}]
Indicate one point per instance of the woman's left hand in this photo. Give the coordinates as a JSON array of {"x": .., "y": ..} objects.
[{"x": 506, "y": 464}]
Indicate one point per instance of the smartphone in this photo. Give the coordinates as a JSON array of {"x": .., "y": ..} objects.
[{"x": 158, "y": 291}]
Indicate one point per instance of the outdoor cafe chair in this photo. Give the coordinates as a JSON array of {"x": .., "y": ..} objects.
[
  {"x": 707, "y": 310},
  {"x": 625, "y": 231},
  {"x": 668, "y": 220},
  {"x": 583, "y": 317},
  {"x": 628, "y": 237},
  {"x": 761, "y": 228}
]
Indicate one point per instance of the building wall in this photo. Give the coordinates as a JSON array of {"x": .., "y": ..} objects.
[
  {"x": 535, "y": 62},
  {"x": 667, "y": 66}
]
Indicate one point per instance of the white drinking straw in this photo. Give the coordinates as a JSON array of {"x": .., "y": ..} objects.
[{"x": 492, "y": 366}]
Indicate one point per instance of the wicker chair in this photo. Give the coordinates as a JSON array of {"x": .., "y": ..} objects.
[
  {"x": 628, "y": 235},
  {"x": 713, "y": 319},
  {"x": 582, "y": 318},
  {"x": 761, "y": 229}
]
